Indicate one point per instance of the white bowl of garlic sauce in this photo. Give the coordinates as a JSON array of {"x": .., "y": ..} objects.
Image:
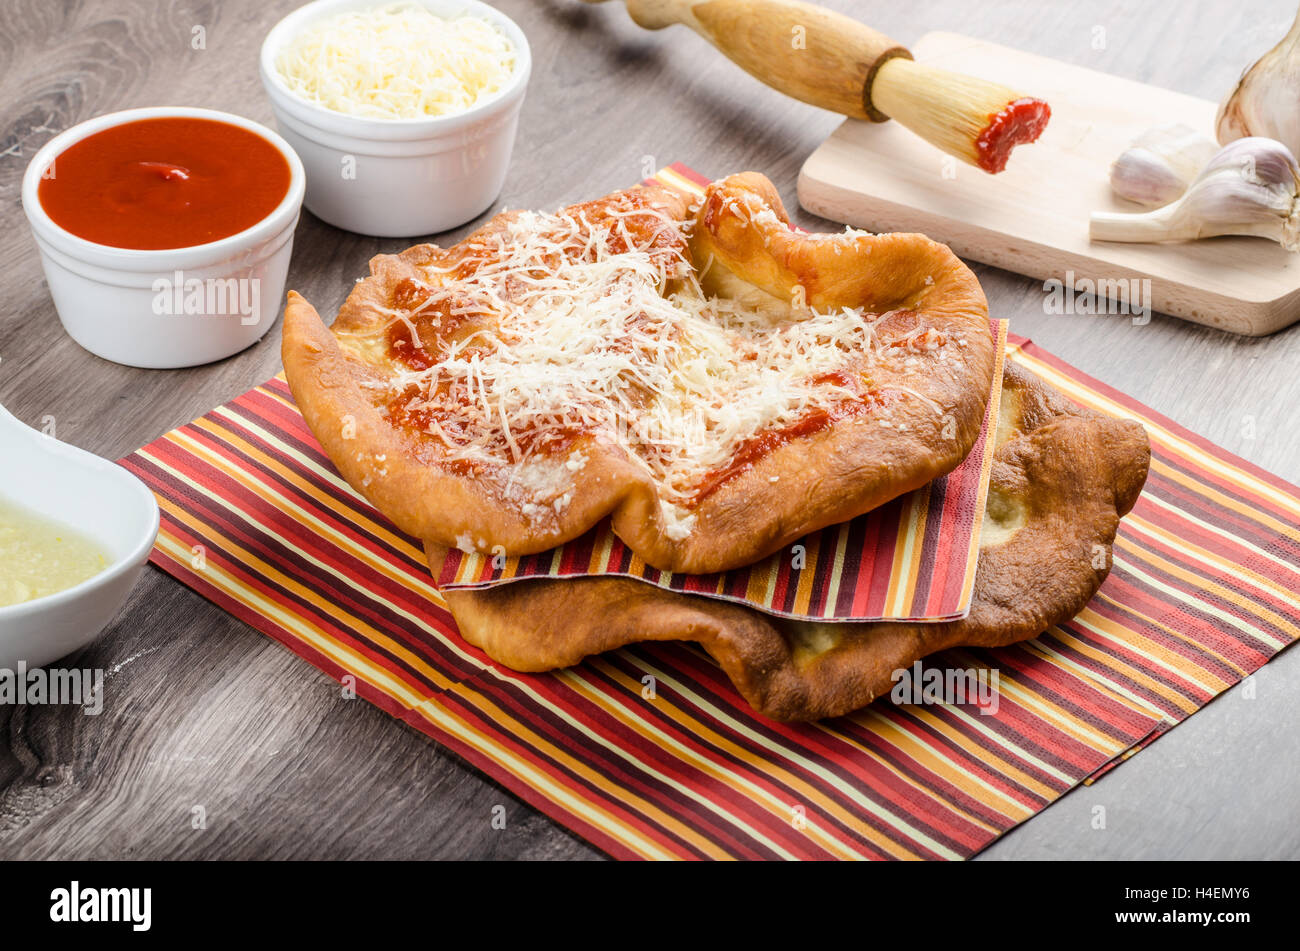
[
  {"x": 75, "y": 531},
  {"x": 404, "y": 114}
]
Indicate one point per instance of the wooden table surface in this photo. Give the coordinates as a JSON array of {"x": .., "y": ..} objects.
[{"x": 200, "y": 710}]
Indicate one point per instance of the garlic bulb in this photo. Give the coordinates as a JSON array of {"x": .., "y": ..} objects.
[
  {"x": 1266, "y": 102},
  {"x": 1160, "y": 164},
  {"x": 1249, "y": 187}
]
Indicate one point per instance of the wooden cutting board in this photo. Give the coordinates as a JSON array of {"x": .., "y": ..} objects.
[{"x": 1033, "y": 218}]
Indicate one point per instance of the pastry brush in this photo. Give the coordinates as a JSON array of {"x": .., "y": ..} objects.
[{"x": 835, "y": 62}]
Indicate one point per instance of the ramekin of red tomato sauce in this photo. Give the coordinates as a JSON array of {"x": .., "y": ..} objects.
[{"x": 165, "y": 233}]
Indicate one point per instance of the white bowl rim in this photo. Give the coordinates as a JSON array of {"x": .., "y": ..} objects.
[
  {"x": 161, "y": 259},
  {"x": 365, "y": 127},
  {"x": 138, "y": 553}
]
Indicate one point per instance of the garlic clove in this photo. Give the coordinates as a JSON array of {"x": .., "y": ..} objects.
[
  {"x": 1160, "y": 164},
  {"x": 1264, "y": 102},
  {"x": 1250, "y": 187}
]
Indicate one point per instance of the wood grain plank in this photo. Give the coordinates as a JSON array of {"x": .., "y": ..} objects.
[{"x": 201, "y": 710}]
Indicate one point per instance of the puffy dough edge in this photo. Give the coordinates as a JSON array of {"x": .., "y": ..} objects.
[{"x": 1069, "y": 474}]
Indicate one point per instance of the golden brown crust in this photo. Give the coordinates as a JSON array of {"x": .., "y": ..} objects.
[
  {"x": 932, "y": 405},
  {"x": 1062, "y": 478}
]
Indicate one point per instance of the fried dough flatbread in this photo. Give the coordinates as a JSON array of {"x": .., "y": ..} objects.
[
  {"x": 714, "y": 382},
  {"x": 1062, "y": 477}
]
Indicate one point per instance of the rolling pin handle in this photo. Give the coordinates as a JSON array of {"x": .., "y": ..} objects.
[{"x": 813, "y": 54}]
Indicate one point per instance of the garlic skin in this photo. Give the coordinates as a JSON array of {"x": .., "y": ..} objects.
[
  {"x": 1250, "y": 187},
  {"x": 1266, "y": 101},
  {"x": 1157, "y": 168}
]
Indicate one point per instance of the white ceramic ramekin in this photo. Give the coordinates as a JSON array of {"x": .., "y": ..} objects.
[
  {"x": 105, "y": 503},
  {"x": 109, "y": 299},
  {"x": 396, "y": 178}
]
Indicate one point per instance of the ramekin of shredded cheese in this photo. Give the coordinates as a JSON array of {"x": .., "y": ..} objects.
[
  {"x": 400, "y": 61},
  {"x": 404, "y": 113}
]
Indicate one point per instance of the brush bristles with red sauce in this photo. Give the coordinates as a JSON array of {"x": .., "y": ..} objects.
[
  {"x": 1022, "y": 121},
  {"x": 978, "y": 121}
]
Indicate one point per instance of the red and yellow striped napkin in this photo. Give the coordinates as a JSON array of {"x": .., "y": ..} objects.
[{"x": 1202, "y": 592}]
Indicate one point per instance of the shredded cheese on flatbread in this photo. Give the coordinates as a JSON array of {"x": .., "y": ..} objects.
[
  {"x": 603, "y": 329},
  {"x": 397, "y": 62}
]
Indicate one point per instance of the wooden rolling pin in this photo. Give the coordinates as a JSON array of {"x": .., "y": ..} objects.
[{"x": 835, "y": 62}]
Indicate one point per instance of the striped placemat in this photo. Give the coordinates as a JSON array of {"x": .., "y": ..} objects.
[
  {"x": 1205, "y": 581},
  {"x": 912, "y": 559},
  {"x": 1201, "y": 594}
]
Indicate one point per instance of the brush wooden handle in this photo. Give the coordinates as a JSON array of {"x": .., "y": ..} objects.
[{"x": 805, "y": 51}]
